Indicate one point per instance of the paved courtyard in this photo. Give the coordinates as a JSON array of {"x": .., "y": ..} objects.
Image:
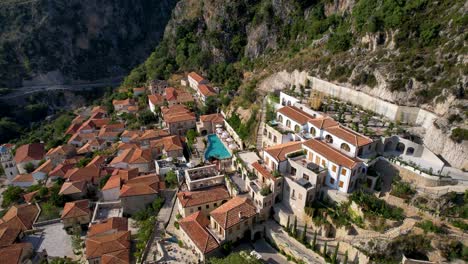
[{"x": 53, "y": 239}]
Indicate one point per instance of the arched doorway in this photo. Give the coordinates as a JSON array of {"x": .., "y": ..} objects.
[
  {"x": 410, "y": 151},
  {"x": 329, "y": 139},
  {"x": 400, "y": 147},
  {"x": 257, "y": 235},
  {"x": 388, "y": 146}
]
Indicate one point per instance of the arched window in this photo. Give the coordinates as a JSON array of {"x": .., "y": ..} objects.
[
  {"x": 345, "y": 147},
  {"x": 289, "y": 103},
  {"x": 280, "y": 118},
  {"x": 297, "y": 128},
  {"x": 328, "y": 139},
  {"x": 264, "y": 132},
  {"x": 410, "y": 151},
  {"x": 288, "y": 123},
  {"x": 312, "y": 131},
  {"x": 283, "y": 102},
  {"x": 400, "y": 147}
]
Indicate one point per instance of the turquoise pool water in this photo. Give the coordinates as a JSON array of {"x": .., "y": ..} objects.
[{"x": 216, "y": 149}]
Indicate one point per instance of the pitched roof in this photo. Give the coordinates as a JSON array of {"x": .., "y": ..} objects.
[
  {"x": 14, "y": 252},
  {"x": 132, "y": 156},
  {"x": 21, "y": 216},
  {"x": 139, "y": 89},
  {"x": 215, "y": 118},
  {"x": 28, "y": 197},
  {"x": 8, "y": 235},
  {"x": 23, "y": 178},
  {"x": 127, "y": 101},
  {"x": 99, "y": 245},
  {"x": 279, "y": 151},
  {"x": 331, "y": 153},
  {"x": 61, "y": 169},
  {"x": 195, "y": 226},
  {"x": 99, "y": 109},
  {"x": 142, "y": 185},
  {"x": 112, "y": 182},
  {"x": 126, "y": 174},
  {"x": 323, "y": 122},
  {"x": 61, "y": 150},
  {"x": 153, "y": 134},
  {"x": 156, "y": 99},
  {"x": 76, "y": 209},
  {"x": 96, "y": 162},
  {"x": 82, "y": 174},
  {"x": 233, "y": 211},
  {"x": 196, "y": 77},
  {"x": 170, "y": 143},
  {"x": 295, "y": 114},
  {"x": 181, "y": 117},
  {"x": 349, "y": 135},
  {"x": 194, "y": 198},
  {"x": 206, "y": 90},
  {"x": 72, "y": 187},
  {"x": 29, "y": 152},
  {"x": 113, "y": 224},
  {"x": 116, "y": 257},
  {"x": 46, "y": 167},
  {"x": 262, "y": 170}
]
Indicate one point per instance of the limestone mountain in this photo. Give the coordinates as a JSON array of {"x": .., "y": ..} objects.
[{"x": 77, "y": 39}]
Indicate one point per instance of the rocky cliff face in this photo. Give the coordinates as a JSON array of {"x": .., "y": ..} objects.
[{"x": 79, "y": 39}]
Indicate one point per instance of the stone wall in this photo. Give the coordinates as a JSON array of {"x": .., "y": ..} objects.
[{"x": 419, "y": 179}]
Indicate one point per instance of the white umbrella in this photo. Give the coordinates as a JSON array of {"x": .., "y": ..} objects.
[
  {"x": 219, "y": 130},
  {"x": 219, "y": 126},
  {"x": 232, "y": 146},
  {"x": 229, "y": 139},
  {"x": 225, "y": 135}
]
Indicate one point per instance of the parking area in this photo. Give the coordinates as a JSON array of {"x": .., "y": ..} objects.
[{"x": 53, "y": 239}]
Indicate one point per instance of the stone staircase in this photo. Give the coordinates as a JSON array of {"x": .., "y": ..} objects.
[{"x": 261, "y": 125}]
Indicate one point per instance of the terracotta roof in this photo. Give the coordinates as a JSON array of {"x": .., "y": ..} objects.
[
  {"x": 72, "y": 129},
  {"x": 215, "y": 118},
  {"x": 79, "y": 119},
  {"x": 28, "y": 197},
  {"x": 349, "y": 135},
  {"x": 99, "y": 245},
  {"x": 170, "y": 143},
  {"x": 156, "y": 99},
  {"x": 110, "y": 225},
  {"x": 131, "y": 133},
  {"x": 29, "y": 152},
  {"x": 82, "y": 174},
  {"x": 99, "y": 109},
  {"x": 279, "y": 151},
  {"x": 233, "y": 211},
  {"x": 46, "y": 167},
  {"x": 82, "y": 137},
  {"x": 126, "y": 174},
  {"x": 142, "y": 185},
  {"x": 196, "y": 77},
  {"x": 153, "y": 134},
  {"x": 96, "y": 162},
  {"x": 61, "y": 150},
  {"x": 133, "y": 108},
  {"x": 8, "y": 235},
  {"x": 323, "y": 122},
  {"x": 331, "y": 153},
  {"x": 189, "y": 199},
  {"x": 123, "y": 146},
  {"x": 195, "y": 226},
  {"x": 117, "y": 257},
  {"x": 179, "y": 117},
  {"x": 23, "y": 178},
  {"x": 295, "y": 114},
  {"x": 112, "y": 182},
  {"x": 21, "y": 216},
  {"x": 76, "y": 209},
  {"x": 72, "y": 187},
  {"x": 13, "y": 253},
  {"x": 263, "y": 171},
  {"x": 139, "y": 89},
  {"x": 61, "y": 169},
  {"x": 132, "y": 156},
  {"x": 88, "y": 147},
  {"x": 206, "y": 90},
  {"x": 125, "y": 102}
]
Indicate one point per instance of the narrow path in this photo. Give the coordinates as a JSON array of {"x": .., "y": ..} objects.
[{"x": 261, "y": 124}]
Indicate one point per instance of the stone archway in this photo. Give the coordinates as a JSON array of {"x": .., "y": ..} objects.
[{"x": 400, "y": 147}]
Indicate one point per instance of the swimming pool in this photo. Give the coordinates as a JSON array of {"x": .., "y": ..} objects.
[{"x": 216, "y": 149}]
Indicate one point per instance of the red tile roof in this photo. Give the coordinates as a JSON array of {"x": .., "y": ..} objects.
[
  {"x": 349, "y": 135},
  {"x": 295, "y": 114},
  {"x": 263, "y": 171},
  {"x": 61, "y": 169},
  {"x": 125, "y": 102},
  {"x": 170, "y": 143},
  {"x": 13, "y": 253},
  {"x": 331, "y": 153},
  {"x": 153, "y": 134},
  {"x": 82, "y": 174},
  {"x": 156, "y": 99},
  {"x": 46, "y": 167},
  {"x": 279, "y": 151},
  {"x": 112, "y": 182},
  {"x": 76, "y": 209},
  {"x": 8, "y": 235},
  {"x": 28, "y": 197},
  {"x": 196, "y": 77},
  {"x": 233, "y": 211},
  {"x": 133, "y": 156},
  {"x": 323, "y": 122},
  {"x": 23, "y": 178},
  {"x": 110, "y": 225},
  {"x": 206, "y": 90},
  {"x": 142, "y": 185},
  {"x": 195, "y": 226},
  {"x": 29, "y": 152},
  {"x": 189, "y": 199},
  {"x": 99, "y": 245},
  {"x": 214, "y": 118},
  {"x": 21, "y": 216},
  {"x": 116, "y": 257},
  {"x": 126, "y": 174},
  {"x": 73, "y": 187}
]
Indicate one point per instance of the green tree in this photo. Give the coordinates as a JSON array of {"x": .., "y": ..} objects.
[
  {"x": 171, "y": 179},
  {"x": 147, "y": 117},
  {"x": 325, "y": 249},
  {"x": 287, "y": 226},
  {"x": 104, "y": 180},
  {"x": 304, "y": 234},
  {"x": 11, "y": 195},
  {"x": 294, "y": 231},
  {"x": 191, "y": 136},
  {"x": 314, "y": 241},
  {"x": 29, "y": 167}
]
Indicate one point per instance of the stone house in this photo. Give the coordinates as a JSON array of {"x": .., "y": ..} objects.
[
  {"x": 206, "y": 200},
  {"x": 76, "y": 213}
]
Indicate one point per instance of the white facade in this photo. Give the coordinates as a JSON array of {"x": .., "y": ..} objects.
[{"x": 112, "y": 194}]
